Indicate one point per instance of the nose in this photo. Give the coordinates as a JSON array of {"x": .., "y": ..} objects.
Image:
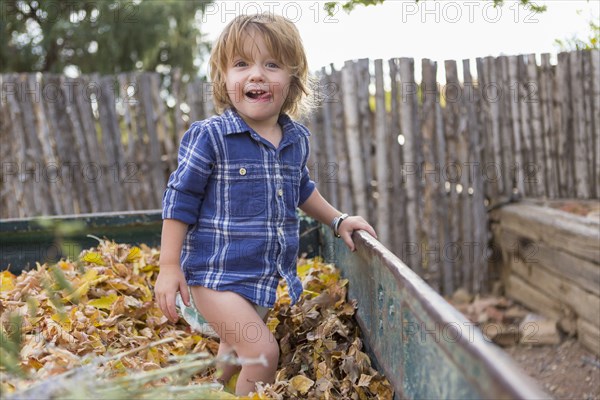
[{"x": 256, "y": 74}]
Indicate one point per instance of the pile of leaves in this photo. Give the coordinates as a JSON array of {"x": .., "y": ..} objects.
[{"x": 90, "y": 328}]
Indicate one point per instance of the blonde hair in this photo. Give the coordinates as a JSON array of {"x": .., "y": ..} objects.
[{"x": 283, "y": 41}]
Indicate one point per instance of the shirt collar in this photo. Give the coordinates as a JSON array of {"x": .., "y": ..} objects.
[{"x": 236, "y": 124}]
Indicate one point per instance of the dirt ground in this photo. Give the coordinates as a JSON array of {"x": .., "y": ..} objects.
[{"x": 565, "y": 371}]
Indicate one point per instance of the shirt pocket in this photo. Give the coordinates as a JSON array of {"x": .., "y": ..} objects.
[
  {"x": 292, "y": 175},
  {"x": 247, "y": 189}
]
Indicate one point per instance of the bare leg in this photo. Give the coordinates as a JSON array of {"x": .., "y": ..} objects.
[
  {"x": 227, "y": 370},
  {"x": 240, "y": 327}
]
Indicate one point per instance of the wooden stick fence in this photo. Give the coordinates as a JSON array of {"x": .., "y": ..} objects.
[
  {"x": 420, "y": 161},
  {"x": 432, "y": 157}
]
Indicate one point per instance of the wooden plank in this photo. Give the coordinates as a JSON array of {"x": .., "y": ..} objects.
[
  {"x": 111, "y": 140},
  {"x": 479, "y": 218},
  {"x": 408, "y": 107},
  {"x": 328, "y": 162},
  {"x": 128, "y": 94},
  {"x": 23, "y": 192},
  {"x": 59, "y": 130},
  {"x": 452, "y": 168},
  {"x": 352, "y": 131},
  {"x": 565, "y": 127},
  {"x": 92, "y": 173},
  {"x": 40, "y": 193},
  {"x": 366, "y": 129},
  {"x": 584, "y": 303},
  {"x": 442, "y": 207},
  {"x": 578, "y": 236},
  {"x": 506, "y": 135},
  {"x": 464, "y": 199},
  {"x": 430, "y": 172},
  {"x": 595, "y": 93},
  {"x": 520, "y": 290},
  {"x": 488, "y": 105},
  {"x": 588, "y": 335},
  {"x": 578, "y": 118},
  {"x": 513, "y": 80},
  {"x": 143, "y": 165},
  {"x": 156, "y": 171},
  {"x": 341, "y": 147},
  {"x": 588, "y": 123},
  {"x": 548, "y": 128},
  {"x": 583, "y": 273},
  {"x": 178, "y": 121},
  {"x": 165, "y": 134},
  {"x": 381, "y": 156},
  {"x": 398, "y": 195},
  {"x": 527, "y": 170},
  {"x": 194, "y": 101},
  {"x": 533, "y": 90}
]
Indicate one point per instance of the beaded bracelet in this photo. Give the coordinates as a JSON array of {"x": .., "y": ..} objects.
[{"x": 335, "y": 224}]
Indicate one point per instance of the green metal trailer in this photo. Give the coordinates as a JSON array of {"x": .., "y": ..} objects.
[{"x": 424, "y": 346}]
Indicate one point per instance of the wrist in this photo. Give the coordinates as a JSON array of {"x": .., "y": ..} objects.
[{"x": 335, "y": 224}]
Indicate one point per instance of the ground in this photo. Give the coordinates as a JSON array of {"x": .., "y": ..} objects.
[{"x": 566, "y": 371}]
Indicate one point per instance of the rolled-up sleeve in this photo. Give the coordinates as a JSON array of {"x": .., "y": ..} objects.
[
  {"x": 307, "y": 185},
  {"x": 187, "y": 184}
]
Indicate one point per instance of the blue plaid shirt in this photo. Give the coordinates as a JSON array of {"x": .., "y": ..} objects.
[{"x": 239, "y": 195}]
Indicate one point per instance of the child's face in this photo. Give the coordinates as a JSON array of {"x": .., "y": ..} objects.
[{"x": 258, "y": 84}]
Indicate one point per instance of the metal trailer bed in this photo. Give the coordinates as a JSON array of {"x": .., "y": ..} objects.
[{"x": 424, "y": 346}]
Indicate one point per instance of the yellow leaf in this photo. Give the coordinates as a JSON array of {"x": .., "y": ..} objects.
[
  {"x": 150, "y": 268},
  {"x": 93, "y": 258},
  {"x": 105, "y": 302},
  {"x": 64, "y": 321},
  {"x": 272, "y": 324},
  {"x": 7, "y": 281},
  {"x": 301, "y": 383},
  {"x": 87, "y": 280},
  {"x": 134, "y": 254},
  {"x": 303, "y": 270}
]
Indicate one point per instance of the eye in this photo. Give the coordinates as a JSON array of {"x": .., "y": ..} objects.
[
  {"x": 272, "y": 65},
  {"x": 240, "y": 63}
]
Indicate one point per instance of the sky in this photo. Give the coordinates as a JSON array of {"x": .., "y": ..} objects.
[{"x": 438, "y": 30}]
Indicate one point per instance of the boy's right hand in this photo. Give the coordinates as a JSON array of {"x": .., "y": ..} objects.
[{"x": 170, "y": 280}]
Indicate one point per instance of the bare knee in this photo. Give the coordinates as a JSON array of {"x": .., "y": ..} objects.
[{"x": 271, "y": 353}]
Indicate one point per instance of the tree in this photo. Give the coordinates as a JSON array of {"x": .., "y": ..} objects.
[
  {"x": 349, "y": 5},
  {"x": 105, "y": 36}
]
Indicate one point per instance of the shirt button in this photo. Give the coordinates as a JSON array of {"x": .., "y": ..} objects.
[
  {"x": 280, "y": 192},
  {"x": 280, "y": 231},
  {"x": 242, "y": 171}
]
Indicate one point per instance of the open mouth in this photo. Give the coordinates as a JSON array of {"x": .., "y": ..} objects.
[{"x": 257, "y": 94}]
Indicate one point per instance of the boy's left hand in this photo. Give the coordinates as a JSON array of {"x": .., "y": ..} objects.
[{"x": 352, "y": 224}]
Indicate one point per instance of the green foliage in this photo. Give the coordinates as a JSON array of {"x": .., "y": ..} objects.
[
  {"x": 349, "y": 5},
  {"x": 589, "y": 43},
  {"x": 107, "y": 36}
]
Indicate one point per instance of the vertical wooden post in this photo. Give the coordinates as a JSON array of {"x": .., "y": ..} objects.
[
  {"x": 565, "y": 128},
  {"x": 328, "y": 162},
  {"x": 548, "y": 129},
  {"x": 578, "y": 118},
  {"x": 453, "y": 172},
  {"x": 513, "y": 88},
  {"x": 351, "y": 112},
  {"x": 479, "y": 229},
  {"x": 408, "y": 111},
  {"x": 383, "y": 207},
  {"x": 398, "y": 230},
  {"x": 595, "y": 94},
  {"x": 431, "y": 176}
]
